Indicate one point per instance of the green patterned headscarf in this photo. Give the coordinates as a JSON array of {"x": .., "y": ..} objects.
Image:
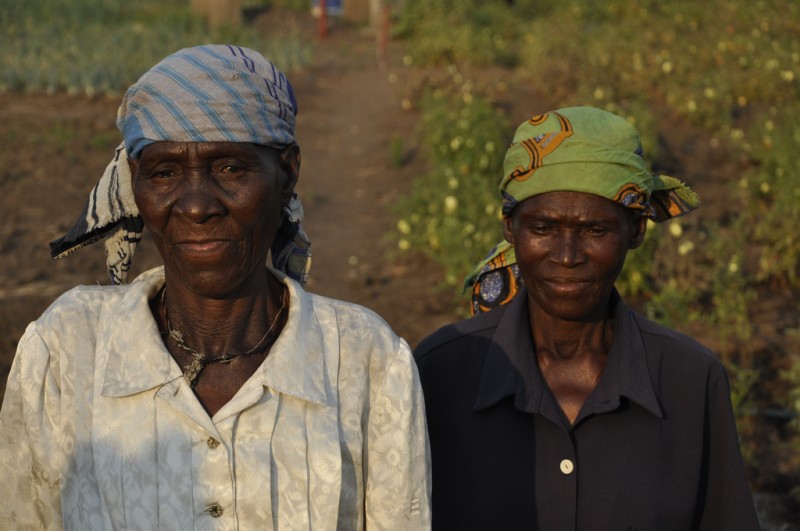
[
  {"x": 576, "y": 149},
  {"x": 582, "y": 149}
]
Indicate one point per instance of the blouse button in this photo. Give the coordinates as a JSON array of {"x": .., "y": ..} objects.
[
  {"x": 215, "y": 510},
  {"x": 567, "y": 466},
  {"x": 212, "y": 443}
]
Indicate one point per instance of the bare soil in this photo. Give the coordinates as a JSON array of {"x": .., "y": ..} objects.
[{"x": 53, "y": 148}]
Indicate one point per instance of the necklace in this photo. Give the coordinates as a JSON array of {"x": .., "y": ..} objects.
[{"x": 200, "y": 361}]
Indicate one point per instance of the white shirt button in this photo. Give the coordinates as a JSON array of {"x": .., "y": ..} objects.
[
  {"x": 215, "y": 510},
  {"x": 212, "y": 443},
  {"x": 567, "y": 466}
]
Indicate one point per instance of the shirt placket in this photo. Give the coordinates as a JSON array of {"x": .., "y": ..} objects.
[
  {"x": 568, "y": 470},
  {"x": 557, "y": 474},
  {"x": 194, "y": 479},
  {"x": 214, "y": 485}
]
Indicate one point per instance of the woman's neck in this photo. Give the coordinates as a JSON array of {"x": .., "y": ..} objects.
[
  {"x": 570, "y": 339},
  {"x": 220, "y": 342},
  {"x": 565, "y": 341},
  {"x": 218, "y": 325},
  {"x": 572, "y": 356}
]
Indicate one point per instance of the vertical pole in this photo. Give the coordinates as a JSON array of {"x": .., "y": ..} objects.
[
  {"x": 323, "y": 19},
  {"x": 383, "y": 34}
]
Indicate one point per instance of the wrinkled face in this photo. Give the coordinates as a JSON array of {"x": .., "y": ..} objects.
[
  {"x": 213, "y": 209},
  {"x": 570, "y": 248}
]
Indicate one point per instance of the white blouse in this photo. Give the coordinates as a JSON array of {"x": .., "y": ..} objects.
[{"x": 99, "y": 430}]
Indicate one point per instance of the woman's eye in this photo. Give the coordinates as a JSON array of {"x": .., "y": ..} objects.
[
  {"x": 164, "y": 173},
  {"x": 596, "y": 231},
  {"x": 540, "y": 228},
  {"x": 229, "y": 167}
]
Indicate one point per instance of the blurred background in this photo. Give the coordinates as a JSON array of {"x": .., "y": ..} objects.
[{"x": 407, "y": 107}]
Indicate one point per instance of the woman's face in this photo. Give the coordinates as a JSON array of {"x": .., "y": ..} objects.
[
  {"x": 570, "y": 248},
  {"x": 213, "y": 209}
]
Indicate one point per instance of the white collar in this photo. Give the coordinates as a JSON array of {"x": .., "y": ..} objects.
[{"x": 138, "y": 360}]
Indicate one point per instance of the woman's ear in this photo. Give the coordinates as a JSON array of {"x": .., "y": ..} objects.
[
  {"x": 508, "y": 232},
  {"x": 639, "y": 230}
]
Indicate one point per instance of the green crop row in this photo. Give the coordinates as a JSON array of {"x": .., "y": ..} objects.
[
  {"x": 707, "y": 60},
  {"x": 103, "y": 46},
  {"x": 452, "y": 212}
]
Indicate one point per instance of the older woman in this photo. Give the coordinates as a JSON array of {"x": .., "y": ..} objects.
[
  {"x": 212, "y": 392},
  {"x": 558, "y": 407}
]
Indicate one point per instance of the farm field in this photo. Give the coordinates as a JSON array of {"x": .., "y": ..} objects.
[{"x": 727, "y": 275}]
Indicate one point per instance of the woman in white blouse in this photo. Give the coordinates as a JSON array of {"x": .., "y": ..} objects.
[{"x": 212, "y": 392}]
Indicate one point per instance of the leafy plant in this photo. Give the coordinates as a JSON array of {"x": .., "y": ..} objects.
[
  {"x": 466, "y": 31},
  {"x": 453, "y": 213},
  {"x": 103, "y": 46},
  {"x": 770, "y": 194}
]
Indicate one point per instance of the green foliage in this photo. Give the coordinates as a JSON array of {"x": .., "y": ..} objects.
[
  {"x": 103, "y": 46},
  {"x": 691, "y": 272},
  {"x": 293, "y": 5},
  {"x": 707, "y": 60},
  {"x": 468, "y": 31},
  {"x": 792, "y": 377},
  {"x": 770, "y": 194},
  {"x": 397, "y": 157},
  {"x": 742, "y": 383},
  {"x": 453, "y": 212}
]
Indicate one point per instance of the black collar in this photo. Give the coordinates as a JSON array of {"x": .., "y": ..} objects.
[{"x": 511, "y": 368}]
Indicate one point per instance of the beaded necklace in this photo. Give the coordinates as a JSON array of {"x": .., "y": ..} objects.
[{"x": 191, "y": 372}]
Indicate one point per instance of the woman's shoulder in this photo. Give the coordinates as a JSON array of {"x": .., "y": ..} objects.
[
  {"x": 667, "y": 347},
  {"x": 363, "y": 339},
  {"x": 452, "y": 339},
  {"x": 329, "y": 311},
  {"x": 351, "y": 318},
  {"x": 347, "y": 310},
  {"x": 68, "y": 327},
  {"x": 83, "y": 305},
  {"x": 656, "y": 331},
  {"x": 81, "y": 300}
]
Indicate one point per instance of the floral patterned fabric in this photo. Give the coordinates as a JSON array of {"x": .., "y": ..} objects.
[
  {"x": 99, "y": 430},
  {"x": 495, "y": 281},
  {"x": 583, "y": 149}
]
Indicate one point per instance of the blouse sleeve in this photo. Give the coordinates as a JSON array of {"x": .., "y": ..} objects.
[
  {"x": 728, "y": 502},
  {"x": 398, "y": 478},
  {"x": 29, "y": 439}
]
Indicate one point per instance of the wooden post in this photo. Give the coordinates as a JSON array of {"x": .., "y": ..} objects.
[
  {"x": 219, "y": 12},
  {"x": 323, "y": 19},
  {"x": 357, "y": 11},
  {"x": 383, "y": 33}
]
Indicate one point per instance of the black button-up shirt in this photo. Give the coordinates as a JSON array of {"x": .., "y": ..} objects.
[{"x": 653, "y": 448}]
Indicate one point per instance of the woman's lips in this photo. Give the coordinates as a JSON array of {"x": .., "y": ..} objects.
[
  {"x": 203, "y": 247},
  {"x": 566, "y": 286}
]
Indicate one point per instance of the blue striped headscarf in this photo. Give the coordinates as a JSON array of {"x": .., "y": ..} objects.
[{"x": 210, "y": 93}]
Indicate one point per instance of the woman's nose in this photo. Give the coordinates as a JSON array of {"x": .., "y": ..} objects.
[
  {"x": 568, "y": 251},
  {"x": 197, "y": 201}
]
